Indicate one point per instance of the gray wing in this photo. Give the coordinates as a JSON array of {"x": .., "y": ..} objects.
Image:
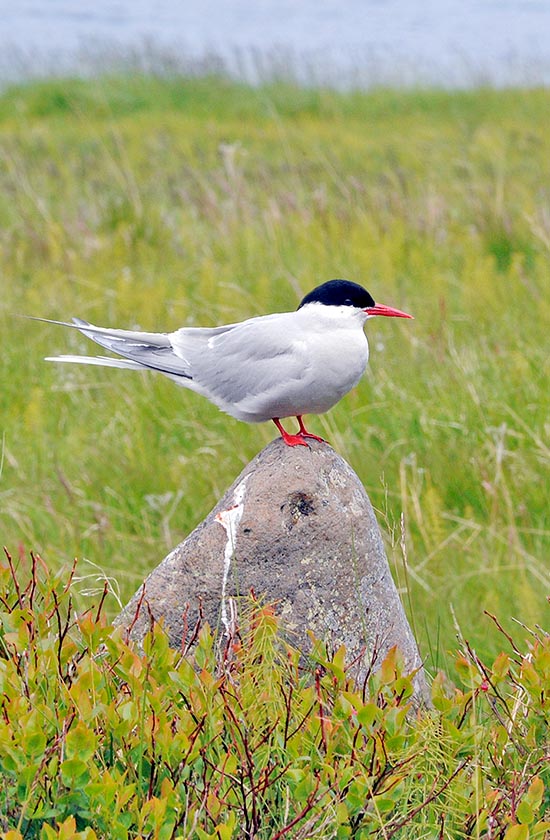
[{"x": 240, "y": 367}]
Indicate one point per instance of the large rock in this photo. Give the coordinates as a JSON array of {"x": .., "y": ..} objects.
[{"x": 297, "y": 527}]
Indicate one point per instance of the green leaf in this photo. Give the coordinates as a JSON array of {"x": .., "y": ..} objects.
[
  {"x": 535, "y": 793},
  {"x": 539, "y": 831},
  {"x": 501, "y": 665},
  {"x": 225, "y": 831},
  {"x": 384, "y": 804},
  {"x": 524, "y": 813},
  {"x": 74, "y": 770},
  {"x": 368, "y": 714},
  {"x": 80, "y": 742},
  {"x": 517, "y": 832}
]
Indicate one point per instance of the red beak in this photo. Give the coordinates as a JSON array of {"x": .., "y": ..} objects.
[{"x": 388, "y": 311}]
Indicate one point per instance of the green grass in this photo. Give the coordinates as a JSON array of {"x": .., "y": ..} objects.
[{"x": 150, "y": 202}]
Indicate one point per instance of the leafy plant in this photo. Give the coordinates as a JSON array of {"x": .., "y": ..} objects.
[{"x": 243, "y": 739}]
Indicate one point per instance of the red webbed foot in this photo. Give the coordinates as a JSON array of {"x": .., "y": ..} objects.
[
  {"x": 290, "y": 440},
  {"x": 304, "y": 432}
]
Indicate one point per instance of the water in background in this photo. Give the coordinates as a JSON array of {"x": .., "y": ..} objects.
[{"x": 342, "y": 42}]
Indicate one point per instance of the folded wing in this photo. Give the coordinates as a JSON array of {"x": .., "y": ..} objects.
[{"x": 142, "y": 350}]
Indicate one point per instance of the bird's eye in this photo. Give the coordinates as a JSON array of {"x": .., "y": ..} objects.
[{"x": 347, "y": 302}]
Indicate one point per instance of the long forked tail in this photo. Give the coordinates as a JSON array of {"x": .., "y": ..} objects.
[
  {"x": 102, "y": 361},
  {"x": 141, "y": 350}
]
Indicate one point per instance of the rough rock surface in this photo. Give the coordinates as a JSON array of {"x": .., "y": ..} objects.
[{"x": 297, "y": 527}]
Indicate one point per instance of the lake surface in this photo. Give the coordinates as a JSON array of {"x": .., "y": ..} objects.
[{"x": 453, "y": 42}]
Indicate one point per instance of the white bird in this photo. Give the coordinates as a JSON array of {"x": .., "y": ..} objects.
[{"x": 266, "y": 368}]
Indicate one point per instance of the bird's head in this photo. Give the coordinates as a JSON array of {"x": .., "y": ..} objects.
[{"x": 346, "y": 293}]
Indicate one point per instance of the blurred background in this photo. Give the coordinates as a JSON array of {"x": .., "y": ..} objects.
[
  {"x": 174, "y": 164},
  {"x": 451, "y": 42}
]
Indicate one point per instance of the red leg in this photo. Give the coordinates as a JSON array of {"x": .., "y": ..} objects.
[
  {"x": 304, "y": 432},
  {"x": 290, "y": 440}
]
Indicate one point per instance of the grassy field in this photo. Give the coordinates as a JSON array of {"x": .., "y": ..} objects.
[{"x": 159, "y": 202}]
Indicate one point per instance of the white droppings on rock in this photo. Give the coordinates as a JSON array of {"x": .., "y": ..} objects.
[{"x": 229, "y": 519}]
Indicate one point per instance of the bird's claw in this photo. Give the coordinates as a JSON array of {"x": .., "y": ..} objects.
[
  {"x": 295, "y": 440},
  {"x": 313, "y": 437},
  {"x": 299, "y": 438}
]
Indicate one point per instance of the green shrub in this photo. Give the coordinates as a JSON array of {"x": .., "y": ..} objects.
[{"x": 243, "y": 739}]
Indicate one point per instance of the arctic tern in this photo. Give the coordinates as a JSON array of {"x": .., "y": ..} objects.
[{"x": 287, "y": 364}]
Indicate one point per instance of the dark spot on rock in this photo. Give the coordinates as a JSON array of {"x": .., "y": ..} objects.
[
  {"x": 247, "y": 530},
  {"x": 300, "y": 504}
]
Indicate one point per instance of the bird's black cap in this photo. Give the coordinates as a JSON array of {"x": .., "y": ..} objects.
[{"x": 339, "y": 293}]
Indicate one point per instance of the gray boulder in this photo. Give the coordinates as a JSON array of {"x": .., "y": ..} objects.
[{"x": 297, "y": 528}]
